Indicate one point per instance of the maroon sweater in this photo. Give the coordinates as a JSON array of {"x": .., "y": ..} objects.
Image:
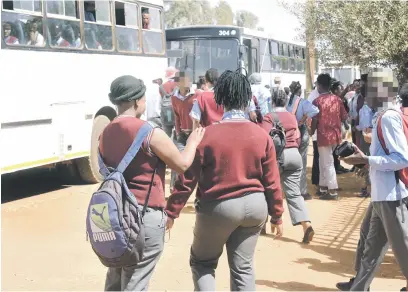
[
  {"x": 234, "y": 158},
  {"x": 113, "y": 144},
  {"x": 182, "y": 109},
  {"x": 289, "y": 122},
  {"x": 210, "y": 111}
]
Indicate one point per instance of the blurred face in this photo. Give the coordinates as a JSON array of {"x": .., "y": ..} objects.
[
  {"x": 34, "y": 27},
  {"x": 338, "y": 90},
  {"x": 145, "y": 18},
  {"x": 7, "y": 30},
  {"x": 382, "y": 88}
]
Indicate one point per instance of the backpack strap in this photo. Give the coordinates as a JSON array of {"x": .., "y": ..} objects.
[
  {"x": 295, "y": 107},
  {"x": 276, "y": 121}
]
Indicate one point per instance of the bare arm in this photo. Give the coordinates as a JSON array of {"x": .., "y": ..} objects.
[
  {"x": 196, "y": 124},
  {"x": 165, "y": 149}
]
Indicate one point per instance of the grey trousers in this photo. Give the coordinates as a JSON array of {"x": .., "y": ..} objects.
[
  {"x": 365, "y": 147},
  {"x": 235, "y": 223},
  {"x": 304, "y": 145},
  {"x": 290, "y": 174},
  {"x": 136, "y": 278},
  {"x": 385, "y": 227}
]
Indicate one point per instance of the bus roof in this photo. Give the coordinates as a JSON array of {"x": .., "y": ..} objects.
[{"x": 213, "y": 31}]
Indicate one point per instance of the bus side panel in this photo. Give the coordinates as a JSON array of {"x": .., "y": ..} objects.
[{"x": 54, "y": 98}]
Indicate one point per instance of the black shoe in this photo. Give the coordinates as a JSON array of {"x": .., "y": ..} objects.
[
  {"x": 403, "y": 289},
  {"x": 307, "y": 197},
  {"x": 329, "y": 197},
  {"x": 345, "y": 286},
  {"x": 352, "y": 169},
  {"x": 308, "y": 236},
  {"x": 364, "y": 193},
  {"x": 341, "y": 170}
]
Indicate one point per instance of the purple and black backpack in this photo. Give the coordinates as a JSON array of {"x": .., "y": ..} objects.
[{"x": 114, "y": 221}]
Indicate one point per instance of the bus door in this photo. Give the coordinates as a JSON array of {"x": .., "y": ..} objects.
[{"x": 251, "y": 59}]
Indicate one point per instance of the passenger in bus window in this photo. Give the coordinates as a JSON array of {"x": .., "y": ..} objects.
[
  {"x": 8, "y": 37},
  {"x": 67, "y": 38},
  {"x": 89, "y": 7},
  {"x": 36, "y": 39},
  {"x": 145, "y": 18},
  {"x": 91, "y": 41}
]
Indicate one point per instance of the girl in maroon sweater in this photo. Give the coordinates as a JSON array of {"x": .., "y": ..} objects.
[
  {"x": 238, "y": 180},
  {"x": 205, "y": 111},
  {"x": 291, "y": 169},
  {"x": 128, "y": 94}
]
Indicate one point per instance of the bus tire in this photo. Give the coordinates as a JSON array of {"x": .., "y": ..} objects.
[{"x": 88, "y": 167}]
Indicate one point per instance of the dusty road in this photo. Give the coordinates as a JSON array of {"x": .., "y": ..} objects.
[{"x": 44, "y": 246}]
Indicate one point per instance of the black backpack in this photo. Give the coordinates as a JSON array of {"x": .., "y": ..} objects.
[
  {"x": 166, "y": 113},
  {"x": 278, "y": 136}
]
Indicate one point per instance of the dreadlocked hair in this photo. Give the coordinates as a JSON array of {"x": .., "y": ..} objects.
[
  {"x": 233, "y": 90},
  {"x": 294, "y": 87}
]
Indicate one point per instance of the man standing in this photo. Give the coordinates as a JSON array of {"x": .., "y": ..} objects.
[
  {"x": 328, "y": 125},
  {"x": 389, "y": 194},
  {"x": 315, "y": 168}
]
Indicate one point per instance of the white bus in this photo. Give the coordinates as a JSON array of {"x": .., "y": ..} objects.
[
  {"x": 345, "y": 74},
  {"x": 231, "y": 47},
  {"x": 58, "y": 59}
]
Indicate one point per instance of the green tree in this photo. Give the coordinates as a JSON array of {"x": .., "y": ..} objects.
[
  {"x": 188, "y": 12},
  {"x": 246, "y": 19},
  {"x": 223, "y": 13},
  {"x": 364, "y": 33}
]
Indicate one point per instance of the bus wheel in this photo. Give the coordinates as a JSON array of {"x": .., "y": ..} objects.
[{"x": 88, "y": 167}]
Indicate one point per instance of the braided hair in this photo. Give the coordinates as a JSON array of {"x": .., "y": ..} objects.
[
  {"x": 233, "y": 90},
  {"x": 294, "y": 87}
]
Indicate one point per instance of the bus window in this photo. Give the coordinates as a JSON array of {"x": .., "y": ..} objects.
[
  {"x": 285, "y": 50},
  {"x": 127, "y": 29},
  {"x": 63, "y": 24},
  {"x": 265, "y": 56},
  {"x": 24, "y": 27},
  {"x": 153, "y": 38},
  {"x": 97, "y": 25},
  {"x": 274, "y": 48}
]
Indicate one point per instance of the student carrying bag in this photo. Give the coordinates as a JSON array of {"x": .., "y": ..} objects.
[{"x": 114, "y": 221}]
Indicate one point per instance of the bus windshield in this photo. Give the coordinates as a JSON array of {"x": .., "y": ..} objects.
[{"x": 199, "y": 55}]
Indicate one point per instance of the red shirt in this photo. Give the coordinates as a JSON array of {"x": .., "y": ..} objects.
[
  {"x": 235, "y": 157},
  {"x": 182, "y": 109},
  {"x": 289, "y": 122},
  {"x": 210, "y": 111},
  {"x": 331, "y": 114},
  {"x": 113, "y": 144}
]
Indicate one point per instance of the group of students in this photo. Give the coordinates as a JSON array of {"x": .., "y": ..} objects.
[{"x": 230, "y": 159}]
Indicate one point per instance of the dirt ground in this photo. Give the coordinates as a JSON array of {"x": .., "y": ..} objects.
[{"x": 44, "y": 243}]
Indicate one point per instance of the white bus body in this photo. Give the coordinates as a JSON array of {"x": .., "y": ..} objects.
[{"x": 55, "y": 100}]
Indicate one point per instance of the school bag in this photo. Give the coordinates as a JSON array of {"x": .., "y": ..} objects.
[
  {"x": 278, "y": 136},
  {"x": 114, "y": 220},
  {"x": 403, "y": 173},
  {"x": 166, "y": 107}
]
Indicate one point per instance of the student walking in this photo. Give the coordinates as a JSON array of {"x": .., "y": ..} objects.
[
  {"x": 291, "y": 170},
  {"x": 328, "y": 125},
  {"x": 303, "y": 110},
  {"x": 388, "y": 163},
  {"x": 128, "y": 94},
  {"x": 238, "y": 180},
  {"x": 205, "y": 111}
]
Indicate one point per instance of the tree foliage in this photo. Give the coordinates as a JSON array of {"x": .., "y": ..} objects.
[
  {"x": 364, "y": 33},
  {"x": 246, "y": 19},
  {"x": 192, "y": 12}
]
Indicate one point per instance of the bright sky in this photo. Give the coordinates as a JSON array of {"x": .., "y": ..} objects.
[{"x": 274, "y": 18}]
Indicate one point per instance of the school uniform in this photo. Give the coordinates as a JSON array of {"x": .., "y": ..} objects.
[
  {"x": 388, "y": 222},
  {"x": 315, "y": 166},
  {"x": 329, "y": 119},
  {"x": 183, "y": 124},
  {"x": 206, "y": 110},
  {"x": 291, "y": 170},
  {"x": 114, "y": 143},
  {"x": 304, "y": 107},
  {"x": 237, "y": 187}
]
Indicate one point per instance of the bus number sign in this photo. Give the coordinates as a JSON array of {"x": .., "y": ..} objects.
[{"x": 226, "y": 32}]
